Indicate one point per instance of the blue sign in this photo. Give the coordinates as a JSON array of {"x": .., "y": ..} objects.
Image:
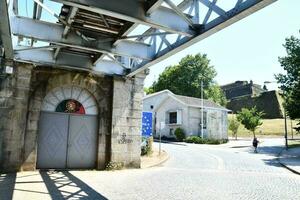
[{"x": 147, "y": 124}]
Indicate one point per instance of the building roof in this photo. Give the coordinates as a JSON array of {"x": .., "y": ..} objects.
[
  {"x": 197, "y": 102},
  {"x": 190, "y": 101}
]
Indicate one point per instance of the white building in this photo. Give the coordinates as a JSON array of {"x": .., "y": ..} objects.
[{"x": 171, "y": 111}]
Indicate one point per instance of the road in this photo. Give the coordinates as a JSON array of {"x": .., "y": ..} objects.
[{"x": 230, "y": 171}]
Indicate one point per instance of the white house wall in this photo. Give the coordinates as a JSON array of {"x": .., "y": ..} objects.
[
  {"x": 154, "y": 101},
  {"x": 217, "y": 124},
  {"x": 170, "y": 105},
  {"x": 194, "y": 121}
]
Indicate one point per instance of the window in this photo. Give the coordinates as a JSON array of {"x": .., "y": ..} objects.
[
  {"x": 70, "y": 106},
  {"x": 173, "y": 117}
]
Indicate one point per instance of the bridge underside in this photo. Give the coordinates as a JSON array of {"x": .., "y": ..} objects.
[{"x": 112, "y": 37}]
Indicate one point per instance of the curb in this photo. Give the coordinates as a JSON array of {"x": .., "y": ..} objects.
[
  {"x": 285, "y": 166},
  {"x": 158, "y": 163}
]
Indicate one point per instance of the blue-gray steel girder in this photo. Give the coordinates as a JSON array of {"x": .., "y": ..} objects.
[{"x": 128, "y": 55}]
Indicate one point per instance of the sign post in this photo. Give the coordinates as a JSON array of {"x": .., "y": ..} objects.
[{"x": 147, "y": 128}]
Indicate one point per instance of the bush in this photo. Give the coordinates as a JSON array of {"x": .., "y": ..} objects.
[
  {"x": 179, "y": 134},
  {"x": 171, "y": 139},
  {"x": 193, "y": 139},
  {"x": 146, "y": 148},
  {"x": 199, "y": 140}
]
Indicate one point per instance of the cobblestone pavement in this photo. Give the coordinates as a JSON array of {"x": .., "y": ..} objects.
[{"x": 230, "y": 171}]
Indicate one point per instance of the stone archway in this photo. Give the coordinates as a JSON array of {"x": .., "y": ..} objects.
[
  {"x": 49, "y": 81},
  {"x": 60, "y": 94},
  {"x": 68, "y": 125}
]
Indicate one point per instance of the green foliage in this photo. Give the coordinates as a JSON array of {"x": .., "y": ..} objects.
[
  {"x": 148, "y": 90},
  {"x": 185, "y": 79},
  {"x": 250, "y": 118},
  {"x": 179, "y": 134},
  {"x": 290, "y": 81},
  {"x": 234, "y": 125},
  {"x": 216, "y": 94},
  {"x": 199, "y": 140},
  {"x": 146, "y": 149},
  {"x": 193, "y": 139}
]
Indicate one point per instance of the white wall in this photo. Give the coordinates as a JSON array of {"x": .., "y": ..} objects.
[
  {"x": 162, "y": 124},
  {"x": 217, "y": 124},
  {"x": 154, "y": 100}
]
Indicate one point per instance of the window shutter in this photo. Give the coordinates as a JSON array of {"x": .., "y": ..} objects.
[
  {"x": 179, "y": 116},
  {"x": 167, "y": 118}
]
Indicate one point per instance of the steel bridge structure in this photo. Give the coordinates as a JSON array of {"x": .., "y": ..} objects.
[{"x": 113, "y": 37}]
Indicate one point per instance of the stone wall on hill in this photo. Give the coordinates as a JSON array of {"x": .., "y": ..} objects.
[{"x": 268, "y": 102}]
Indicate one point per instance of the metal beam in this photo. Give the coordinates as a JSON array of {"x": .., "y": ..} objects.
[
  {"x": 185, "y": 4},
  {"x": 5, "y": 34},
  {"x": 214, "y": 7},
  {"x": 69, "y": 21},
  {"x": 69, "y": 60},
  {"x": 37, "y": 10},
  {"x": 179, "y": 12},
  {"x": 153, "y": 5},
  {"x": 235, "y": 14},
  {"x": 56, "y": 52},
  {"x": 19, "y": 48},
  {"x": 50, "y": 32},
  {"x": 134, "y": 11}
]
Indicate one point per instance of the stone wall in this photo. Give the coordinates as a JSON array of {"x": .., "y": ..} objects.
[
  {"x": 119, "y": 105},
  {"x": 14, "y": 96},
  {"x": 44, "y": 81},
  {"x": 268, "y": 102},
  {"x": 126, "y": 121},
  {"x": 241, "y": 88}
]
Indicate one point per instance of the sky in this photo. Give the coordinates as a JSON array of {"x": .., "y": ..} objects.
[{"x": 248, "y": 49}]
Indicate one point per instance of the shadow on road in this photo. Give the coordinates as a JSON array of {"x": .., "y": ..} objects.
[
  {"x": 272, "y": 162},
  {"x": 267, "y": 150},
  {"x": 270, "y": 151},
  {"x": 64, "y": 185},
  {"x": 7, "y": 185}
]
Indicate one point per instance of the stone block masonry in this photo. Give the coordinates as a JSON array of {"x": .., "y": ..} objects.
[
  {"x": 14, "y": 95},
  {"x": 126, "y": 121},
  {"x": 119, "y": 102}
]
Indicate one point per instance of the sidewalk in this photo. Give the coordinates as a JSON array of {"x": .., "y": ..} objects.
[
  {"x": 291, "y": 159},
  {"x": 154, "y": 159}
]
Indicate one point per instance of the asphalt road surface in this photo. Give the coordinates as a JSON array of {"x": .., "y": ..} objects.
[{"x": 230, "y": 171}]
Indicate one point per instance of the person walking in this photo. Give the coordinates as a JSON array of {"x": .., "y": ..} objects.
[{"x": 255, "y": 144}]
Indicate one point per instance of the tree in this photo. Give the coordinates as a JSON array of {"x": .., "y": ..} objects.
[
  {"x": 185, "y": 79},
  {"x": 234, "y": 125},
  {"x": 250, "y": 118},
  {"x": 216, "y": 94},
  {"x": 290, "y": 82}
]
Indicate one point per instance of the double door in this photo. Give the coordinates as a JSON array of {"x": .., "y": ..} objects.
[{"x": 67, "y": 141}]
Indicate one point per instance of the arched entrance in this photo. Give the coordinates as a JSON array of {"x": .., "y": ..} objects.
[{"x": 68, "y": 125}]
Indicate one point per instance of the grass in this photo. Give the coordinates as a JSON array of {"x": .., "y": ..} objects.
[
  {"x": 294, "y": 143},
  {"x": 270, "y": 127}
]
